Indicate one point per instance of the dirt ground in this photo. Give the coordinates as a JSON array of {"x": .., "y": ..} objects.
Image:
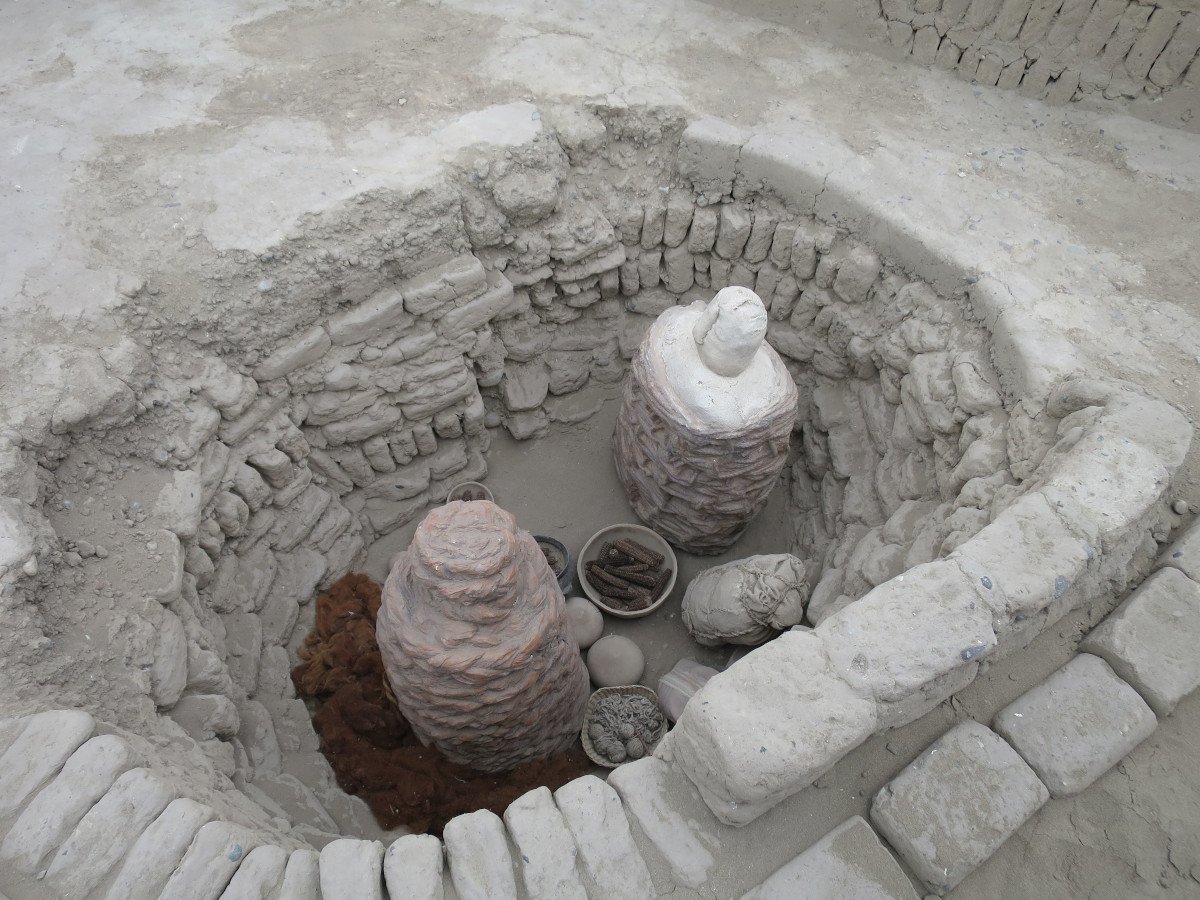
[{"x": 111, "y": 112}]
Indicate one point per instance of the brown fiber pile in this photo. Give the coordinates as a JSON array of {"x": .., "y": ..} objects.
[{"x": 369, "y": 744}]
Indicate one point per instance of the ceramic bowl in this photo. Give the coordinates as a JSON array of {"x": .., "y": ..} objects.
[{"x": 644, "y": 536}]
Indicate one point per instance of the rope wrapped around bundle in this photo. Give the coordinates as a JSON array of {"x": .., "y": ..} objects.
[
  {"x": 698, "y": 452},
  {"x": 476, "y": 641}
]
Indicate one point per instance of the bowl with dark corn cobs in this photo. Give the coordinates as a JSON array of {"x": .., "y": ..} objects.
[{"x": 627, "y": 571}]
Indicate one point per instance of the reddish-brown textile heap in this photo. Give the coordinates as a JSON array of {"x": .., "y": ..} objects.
[
  {"x": 476, "y": 641},
  {"x": 371, "y": 748}
]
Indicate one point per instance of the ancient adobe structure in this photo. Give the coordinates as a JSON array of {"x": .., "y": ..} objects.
[{"x": 966, "y": 480}]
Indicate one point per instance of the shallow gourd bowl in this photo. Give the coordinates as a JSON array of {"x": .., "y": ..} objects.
[
  {"x": 629, "y": 690},
  {"x": 645, "y": 537}
]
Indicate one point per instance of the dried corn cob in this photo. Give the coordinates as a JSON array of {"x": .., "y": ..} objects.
[{"x": 639, "y": 553}]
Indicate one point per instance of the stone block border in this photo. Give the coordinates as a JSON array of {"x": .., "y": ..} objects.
[
  {"x": 1076, "y": 725},
  {"x": 956, "y": 803},
  {"x": 1148, "y": 640}
]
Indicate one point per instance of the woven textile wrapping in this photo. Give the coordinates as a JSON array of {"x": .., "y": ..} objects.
[
  {"x": 476, "y": 642},
  {"x": 696, "y": 482},
  {"x": 746, "y": 601}
]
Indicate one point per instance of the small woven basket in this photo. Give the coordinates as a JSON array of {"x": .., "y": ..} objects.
[{"x": 629, "y": 690}]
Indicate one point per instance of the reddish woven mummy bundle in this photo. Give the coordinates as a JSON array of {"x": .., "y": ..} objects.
[{"x": 476, "y": 642}]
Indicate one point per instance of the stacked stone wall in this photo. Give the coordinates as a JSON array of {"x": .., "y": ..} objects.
[
  {"x": 289, "y": 461},
  {"x": 1056, "y": 51},
  {"x": 948, "y": 519},
  {"x": 292, "y": 460}
]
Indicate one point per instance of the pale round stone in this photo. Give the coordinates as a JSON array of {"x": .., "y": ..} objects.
[
  {"x": 615, "y": 660},
  {"x": 586, "y": 621}
]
